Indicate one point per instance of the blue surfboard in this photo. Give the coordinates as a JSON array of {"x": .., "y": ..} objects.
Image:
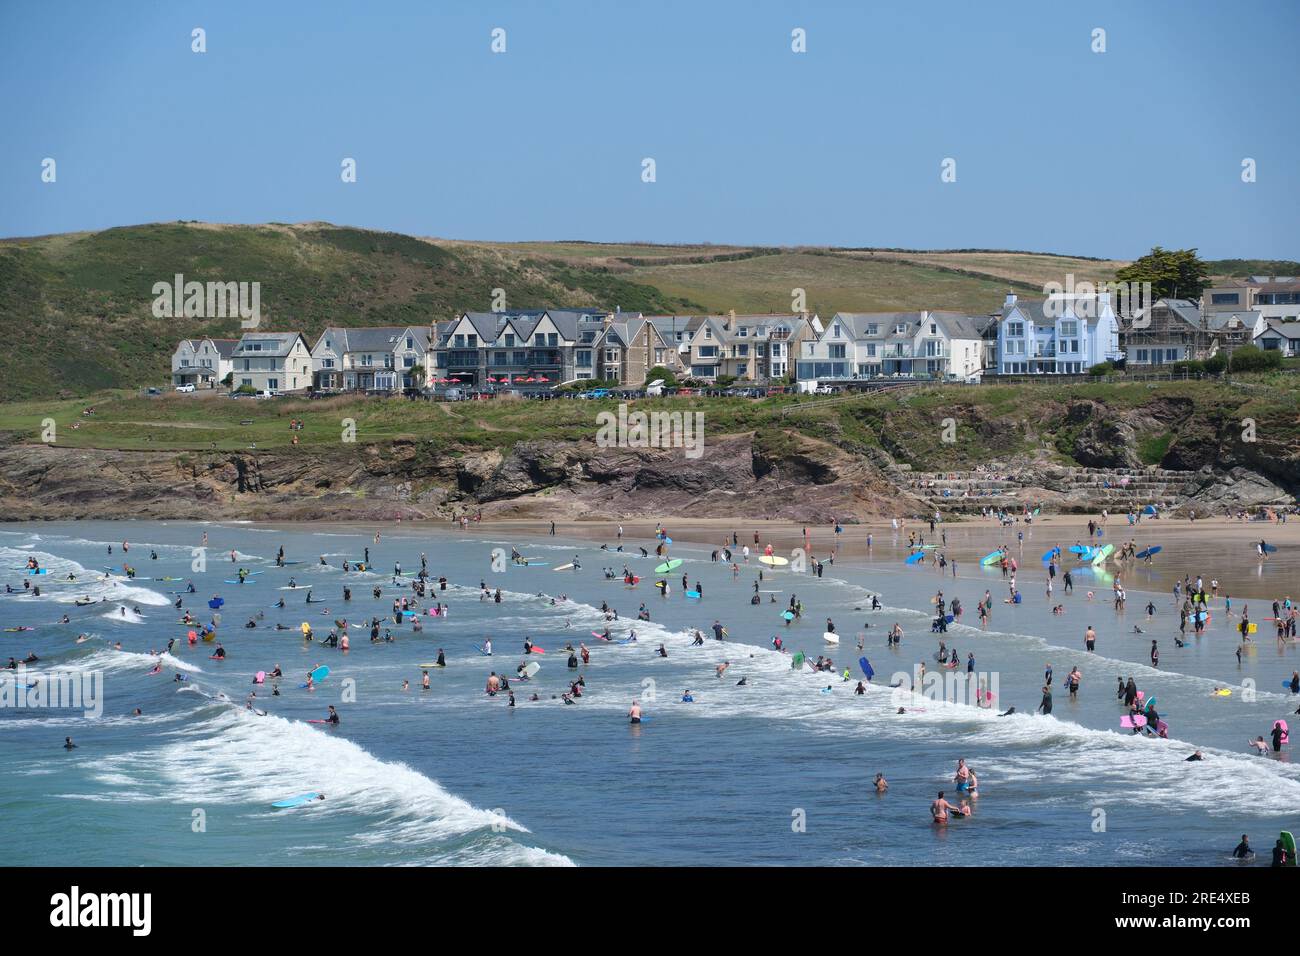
[
  {"x": 866, "y": 667},
  {"x": 295, "y": 801}
]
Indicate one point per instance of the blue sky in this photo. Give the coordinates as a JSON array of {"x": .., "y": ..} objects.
[{"x": 1057, "y": 148}]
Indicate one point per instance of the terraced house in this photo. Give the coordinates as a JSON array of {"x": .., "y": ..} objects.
[
  {"x": 272, "y": 362},
  {"x": 623, "y": 350},
  {"x": 755, "y": 348},
  {"x": 1064, "y": 334},
  {"x": 527, "y": 346},
  {"x": 377, "y": 359},
  {"x": 863, "y": 345},
  {"x": 204, "y": 363}
]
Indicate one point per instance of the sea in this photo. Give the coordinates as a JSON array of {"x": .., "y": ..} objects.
[{"x": 770, "y": 764}]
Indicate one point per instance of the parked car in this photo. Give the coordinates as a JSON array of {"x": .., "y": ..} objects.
[
  {"x": 266, "y": 393},
  {"x": 153, "y": 391},
  {"x": 184, "y": 388},
  {"x": 453, "y": 395}
]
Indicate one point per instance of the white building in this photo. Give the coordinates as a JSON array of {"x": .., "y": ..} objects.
[
  {"x": 1064, "y": 334},
  {"x": 272, "y": 362},
  {"x": 376, "y": 359},
  {"x": 926, "y": 344},
  {"x": 204, "y": 363}
]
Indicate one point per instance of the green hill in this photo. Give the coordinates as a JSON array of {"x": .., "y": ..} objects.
[{"x": 76, "y": 310}]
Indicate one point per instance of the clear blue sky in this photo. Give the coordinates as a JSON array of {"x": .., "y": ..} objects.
[{"x": 1058, "y": 148}]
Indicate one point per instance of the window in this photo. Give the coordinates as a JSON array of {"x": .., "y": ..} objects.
[
  {"x": 552, "y": 339},
  {"x": 510, "y": 340},
  {"x": 742, "y": 351},
  {"x": 272, "y": 383},
  {"x": 871, "y": 350},
  {"x": 410, "y": 342},
  {"x": 835, "y": 330},
  {"x": 582, "y": 358},
  {"x": 1015, "y": 329},
  {"x": 1225, "y": 298},
  {"x": 1070, "y": 328},
  {"x": 708, "y": 351},
  {"x": 837, "y": 351},
  {"x": 873, "y": 329}
]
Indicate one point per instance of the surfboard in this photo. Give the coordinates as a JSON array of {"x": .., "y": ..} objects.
[
  {"x": 788, "y": 615},
  {"x": 1288, "y": 844},
  {"x": 1103, "y": 553},
  {"x": 531, "y": 668},
  {"x": 948, "y": 618},
  {"x": 991, "y": 558},
  {"x": 1286, "y": 684},
  {"x": 1268, "y": 549},
  {"x": 1252, "y": 628},
  {"x": 538, "y": 650},
  {"x": 563, "y": 567},
  {"x": 668, "y": 566},
  {"x": 866, "y": 667},
  {"x": 830, "y": 637},
  {"x": 913, "y": 558},
  {"x": 1148, "y": 552},
  {"x": 320, "y": 673},
  {"x": 774, "y": 561},
  {"x": 295, "y": 801},
  {"x": 259, "y": 677},
  {"x": 1079, "y": 549},
  {"x": 428, "y": 664},
  {"x": 797, "y": 661},
  {"x": 692, "y": 594},
  {"x": 1051, "y": 554},
  {"x": 1131, "y": 722},
  {"x": 1224, "y": 692}
]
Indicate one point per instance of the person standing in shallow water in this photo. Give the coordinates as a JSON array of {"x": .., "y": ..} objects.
[{"x": 1046, "y": 704}]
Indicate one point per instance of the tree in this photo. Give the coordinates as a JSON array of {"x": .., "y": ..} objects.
[
  {"x": 1173, "y": 273},
  {"x": 661, "y": 374}
]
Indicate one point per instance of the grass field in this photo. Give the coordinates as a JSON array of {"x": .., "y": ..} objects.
[{"x": 995, "y": 422}]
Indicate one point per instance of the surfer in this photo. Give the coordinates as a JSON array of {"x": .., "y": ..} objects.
[
  {"x": 68, "y": 744},
  {"x": 634, "y": 713}
]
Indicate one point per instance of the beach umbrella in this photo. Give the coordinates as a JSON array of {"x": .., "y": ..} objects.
[{"x": 542, "y": 378}]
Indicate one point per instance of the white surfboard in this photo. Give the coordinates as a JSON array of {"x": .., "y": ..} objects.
[{"x": 831, "y": 637}]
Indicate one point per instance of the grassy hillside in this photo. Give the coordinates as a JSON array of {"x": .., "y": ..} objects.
[{"x": 75, "y": 309}]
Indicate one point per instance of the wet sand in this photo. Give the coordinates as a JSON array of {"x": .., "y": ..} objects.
[{"x": 1221, "y": 548}]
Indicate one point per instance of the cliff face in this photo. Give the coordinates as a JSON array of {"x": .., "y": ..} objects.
[
  {"x": 807, "y": 480},
  {"x": 1210, "y": 460}
]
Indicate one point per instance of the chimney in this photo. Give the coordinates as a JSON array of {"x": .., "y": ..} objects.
[
  {"x": 731, "y": 321},
  {"x": 1011, "y": 300}
]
